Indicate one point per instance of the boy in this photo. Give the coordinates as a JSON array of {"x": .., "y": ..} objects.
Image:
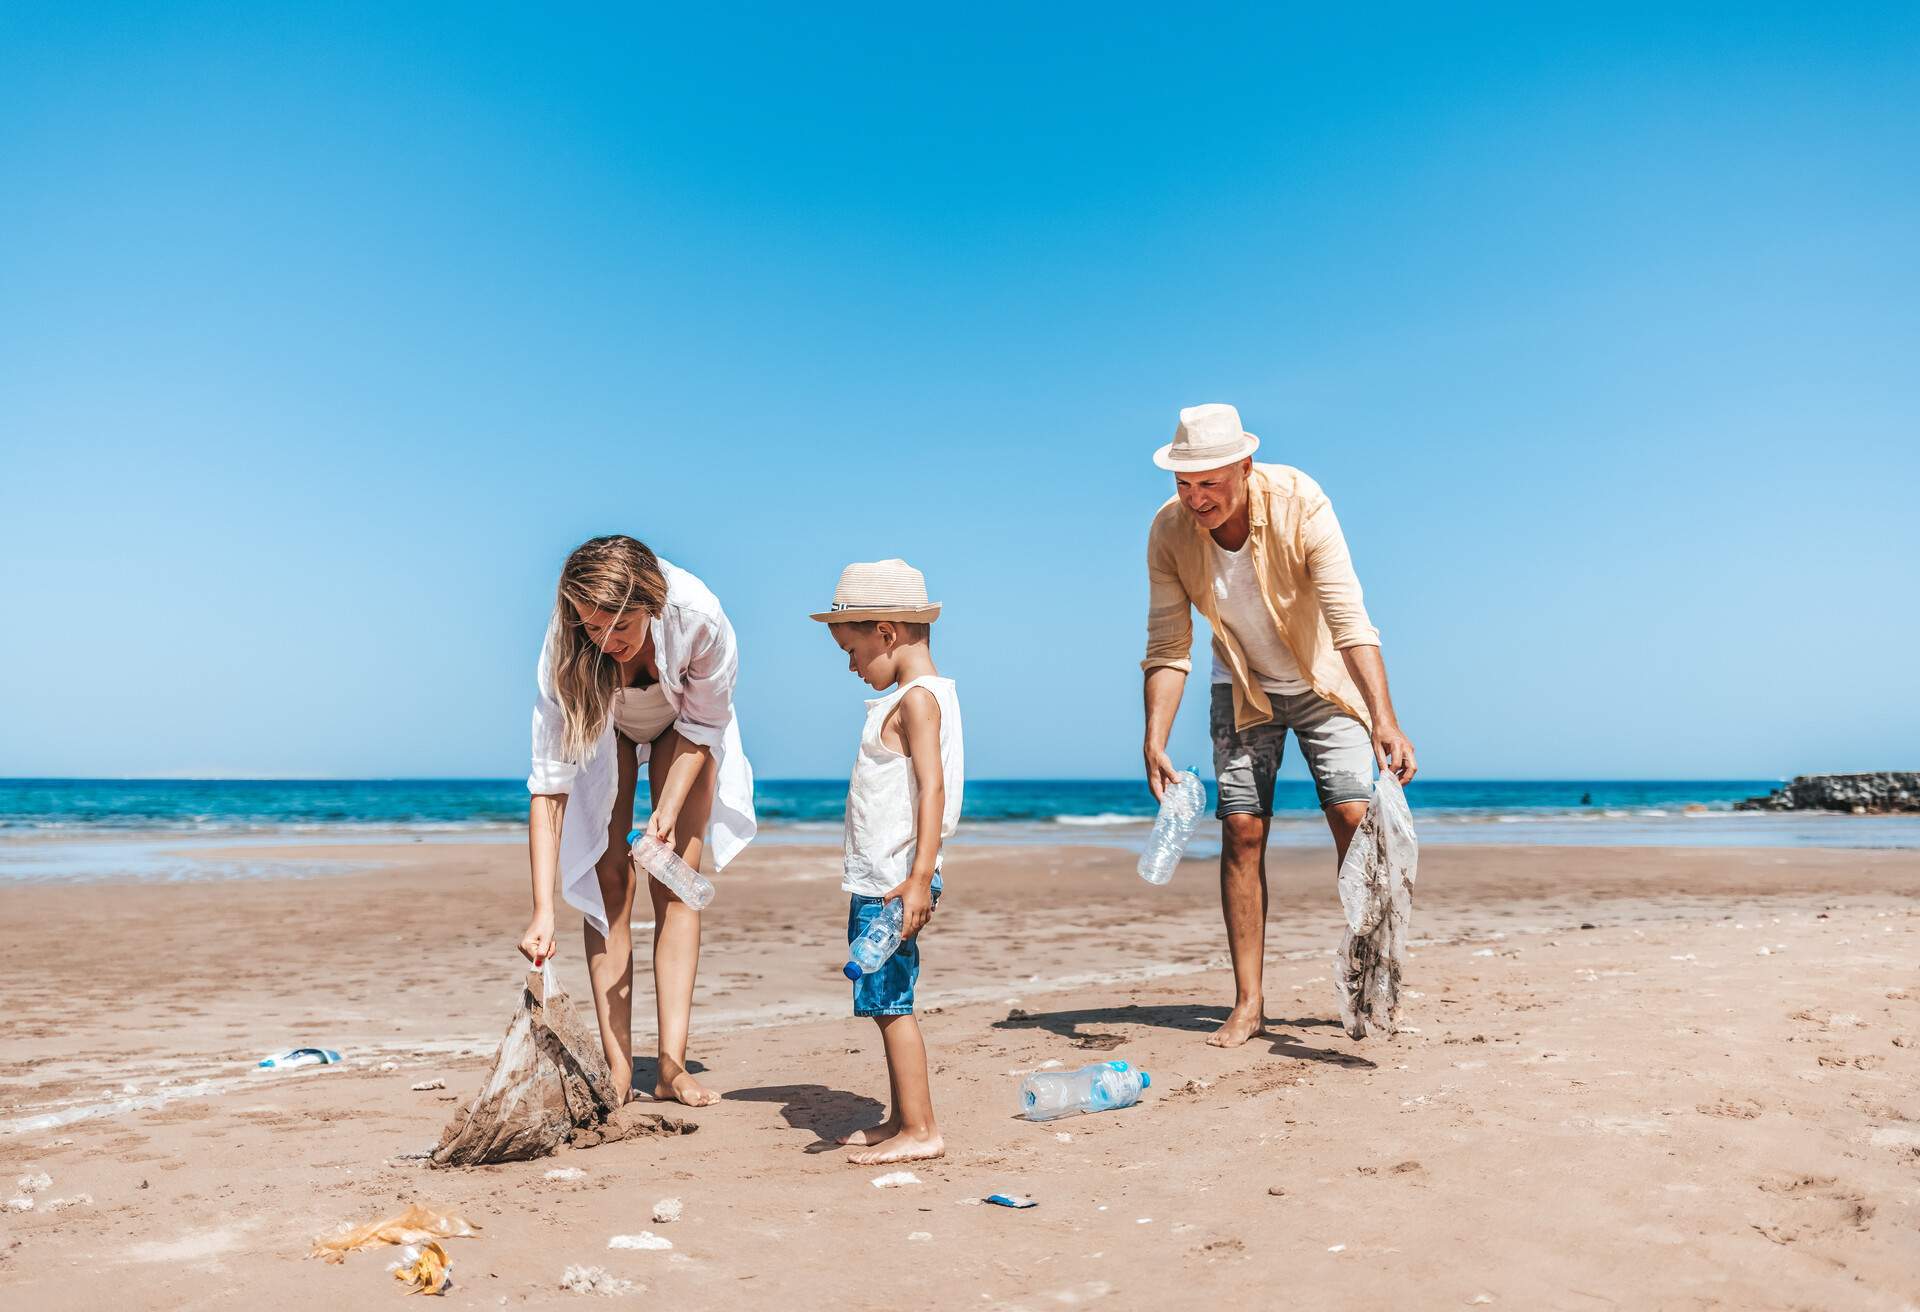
[{"x": 904, "y": 798}]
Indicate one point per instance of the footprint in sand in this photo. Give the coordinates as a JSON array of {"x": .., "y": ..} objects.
[{"x": 1744, "y": 1110}]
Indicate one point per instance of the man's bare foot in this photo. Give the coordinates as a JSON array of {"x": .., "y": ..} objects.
[
  {"x": 1241, "y": 1024},
  {"x": 902, "y": 1147},
  {"x": 684, "y": 1089},
  {"x": 870, "y": 1137}
]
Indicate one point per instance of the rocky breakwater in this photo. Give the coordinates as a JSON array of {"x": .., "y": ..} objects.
[{"x": 1887, "y": 793}]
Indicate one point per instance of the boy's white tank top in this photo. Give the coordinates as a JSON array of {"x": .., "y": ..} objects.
[{"x": 883, "y": 794}]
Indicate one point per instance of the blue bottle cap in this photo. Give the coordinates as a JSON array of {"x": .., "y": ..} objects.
[
  {"x": 634, "y": 837},
  {"x": 1146, "y": 1080},
  {"x": 852, "y": 971}
]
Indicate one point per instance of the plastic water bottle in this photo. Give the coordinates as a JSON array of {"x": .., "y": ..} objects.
[
  {"x": 1180, "y": 808},
  {"x": 1048, "y": 1095},
  {"x": 665, "y": 865},
  {"x": 880, "y": 940}
]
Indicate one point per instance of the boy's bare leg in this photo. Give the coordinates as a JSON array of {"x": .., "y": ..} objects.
[
  {"x": 610, "y": 956},
  {"x": 676, "y": 935},
  {"x": 889, "y": 1124},
  {"x": 916, "y": 1137},
  {"x": 1243, "y": 901}
]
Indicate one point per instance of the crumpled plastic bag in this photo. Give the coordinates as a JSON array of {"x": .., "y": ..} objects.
[
  {"x": 424, "y": 1270},
  {"x": 1376, "y": 892},
  {"x": 549, "y": 1079},
  {"x": 416, "y": 1225}
]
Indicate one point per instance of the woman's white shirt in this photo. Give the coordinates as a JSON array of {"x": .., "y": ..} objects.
[{"x": 694, "y": 648}]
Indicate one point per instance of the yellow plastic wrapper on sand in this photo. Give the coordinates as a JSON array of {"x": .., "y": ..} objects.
[{"x": 429, "y": 1272}]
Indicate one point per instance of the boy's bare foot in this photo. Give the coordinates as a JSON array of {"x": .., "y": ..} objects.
[
  {"x": 902, "y": 1147},
  {"x": 684, "y": 1089},
  {"x": 870, "y": 1137},
  {"x": 1241, "y": 1024}
]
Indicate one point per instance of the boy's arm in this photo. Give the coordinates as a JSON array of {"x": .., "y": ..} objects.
[{"x": 920, "y": 732}]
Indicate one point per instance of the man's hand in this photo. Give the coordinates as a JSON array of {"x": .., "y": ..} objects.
[
  {"x": 916, "y": 905},
  {"x": 1393, "y": 751},
  {"x": 1160, "y": 771}
]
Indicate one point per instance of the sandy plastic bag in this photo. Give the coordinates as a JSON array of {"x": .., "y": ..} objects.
[
  {"x": 416, "y": 1225},
  {"x": 1376, "y": 892},
  {"x": 549, "y": 1079}
]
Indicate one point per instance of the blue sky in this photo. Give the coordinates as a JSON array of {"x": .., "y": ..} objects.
[{"x": 326, "y": 331}]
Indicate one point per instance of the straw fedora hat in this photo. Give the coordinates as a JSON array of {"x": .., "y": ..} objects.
[
  {"x": 1209, "y": 436},
  {"x": 881, "y": 590}
]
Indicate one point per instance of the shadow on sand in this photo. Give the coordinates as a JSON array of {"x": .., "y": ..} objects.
[
  {"x": 820, "y": 1111},
  {"x": 1192, "y": 1017}
]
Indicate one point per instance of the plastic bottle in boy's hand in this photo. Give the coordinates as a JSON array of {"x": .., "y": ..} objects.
[
  {"x": 1047, "y": 1095},
  {"x": 1180, "y": 808},
  {"x": 665, "y": 865},
  {"x": 880, "y": 940}
]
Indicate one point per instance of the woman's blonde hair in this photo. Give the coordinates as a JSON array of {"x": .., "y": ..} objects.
[{"x": 615, "y": 574}]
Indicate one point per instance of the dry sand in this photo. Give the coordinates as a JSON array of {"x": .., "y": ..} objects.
[{"x": 1709, "y": 1099}]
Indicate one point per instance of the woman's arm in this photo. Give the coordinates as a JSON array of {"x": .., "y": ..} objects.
[
  {"x": 686, "y": 768},
  {"x": 544, "y": 814}
]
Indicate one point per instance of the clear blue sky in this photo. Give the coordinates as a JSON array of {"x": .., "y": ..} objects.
[{"x": 327, "y": 330}]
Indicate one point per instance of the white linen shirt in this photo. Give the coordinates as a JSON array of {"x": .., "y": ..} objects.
[{"x": 694, "y": 648}]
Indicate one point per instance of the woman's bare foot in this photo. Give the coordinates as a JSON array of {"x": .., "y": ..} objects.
[
  {"x": 871, "y": 1137},
  {"x": 902, "y": 1147},
  {"x": 682, "y": 1088},
  {"x": 1241, "y": 1024}
]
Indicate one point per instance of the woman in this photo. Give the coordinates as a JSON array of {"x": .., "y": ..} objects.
[{"x": 637, "y": 669}]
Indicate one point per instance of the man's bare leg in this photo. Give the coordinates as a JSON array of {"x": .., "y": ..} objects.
[
  {"x": 1243, "y": 901},
  {"x": 1344, "y": 818}
]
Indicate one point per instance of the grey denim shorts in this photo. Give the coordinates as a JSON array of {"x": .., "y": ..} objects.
[{"x": 1338, "y": 748}]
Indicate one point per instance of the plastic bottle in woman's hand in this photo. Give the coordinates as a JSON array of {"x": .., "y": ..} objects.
[
  {"x": 1180, "y": 808},
  {"x": 665, "y": 865}
]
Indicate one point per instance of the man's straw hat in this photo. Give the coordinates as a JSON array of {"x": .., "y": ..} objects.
[
  {"x": 1209, "y": 436},
  {"x": 881, "y": 590}
]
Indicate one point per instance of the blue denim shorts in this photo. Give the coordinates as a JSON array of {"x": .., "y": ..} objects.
[{"x": 889, "y": 990}]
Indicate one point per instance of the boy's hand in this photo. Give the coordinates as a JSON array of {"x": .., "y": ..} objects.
[
  {"x": 916, "y": 905},
  {"x": 1160, "y": 771}
]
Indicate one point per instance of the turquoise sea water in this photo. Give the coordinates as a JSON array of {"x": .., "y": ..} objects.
[
  {"x": 62, "y": 829},
  {"x": 257, "y": 805}
]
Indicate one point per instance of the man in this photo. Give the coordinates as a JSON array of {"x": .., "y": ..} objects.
[{"x": 1257, "y": 550}]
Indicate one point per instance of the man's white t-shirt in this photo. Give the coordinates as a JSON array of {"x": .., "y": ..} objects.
[{"x": 1243, "y": 612}]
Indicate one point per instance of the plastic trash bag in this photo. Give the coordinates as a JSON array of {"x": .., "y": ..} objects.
[
  {"x": 549, "y": 1079},
  {"x": 1376, "y": 892},
  {"x": 416, "y": 1225}
]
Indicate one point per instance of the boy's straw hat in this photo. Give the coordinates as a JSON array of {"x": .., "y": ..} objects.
[
  {"x": 881, "y": 590},
  {"x": 1208, "y": 437}
]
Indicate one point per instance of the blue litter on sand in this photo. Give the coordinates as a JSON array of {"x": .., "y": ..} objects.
[
  {"x": 1011, "y": 1200},
  {"x": 294, "y": 1057}
]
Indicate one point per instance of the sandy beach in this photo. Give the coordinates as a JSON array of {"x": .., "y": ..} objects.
[{"x": 1630, "y": 1078}]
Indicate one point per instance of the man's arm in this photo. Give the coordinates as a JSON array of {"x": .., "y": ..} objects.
[
  {"x": 1169, "y": 657},
  {"x": 1164, "y": 686},
  {"x": 1390, "y": 746}
]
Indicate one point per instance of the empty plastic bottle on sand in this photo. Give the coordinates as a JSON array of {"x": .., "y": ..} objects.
[
  {"x": 1180, "y": 808},
  {"x": 665, "y": 865},
  {"x": 880, "y": 940},
  {"x": 1048, "y": 1095}
]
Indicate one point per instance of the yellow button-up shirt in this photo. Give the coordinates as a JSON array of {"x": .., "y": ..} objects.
[{"x": 1306, "y": 576}]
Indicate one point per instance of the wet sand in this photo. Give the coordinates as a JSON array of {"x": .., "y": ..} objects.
[{"x": 1652, "y": 1112}]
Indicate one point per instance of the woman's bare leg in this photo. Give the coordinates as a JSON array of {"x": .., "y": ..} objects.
[
  {"x": 610, "y": 957},
  {"x": 676, "y": 933}
]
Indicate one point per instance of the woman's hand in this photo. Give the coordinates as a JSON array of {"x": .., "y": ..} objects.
[
  {"x": 536, "y": 945},
  {"x": 661, "y": 824}
]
